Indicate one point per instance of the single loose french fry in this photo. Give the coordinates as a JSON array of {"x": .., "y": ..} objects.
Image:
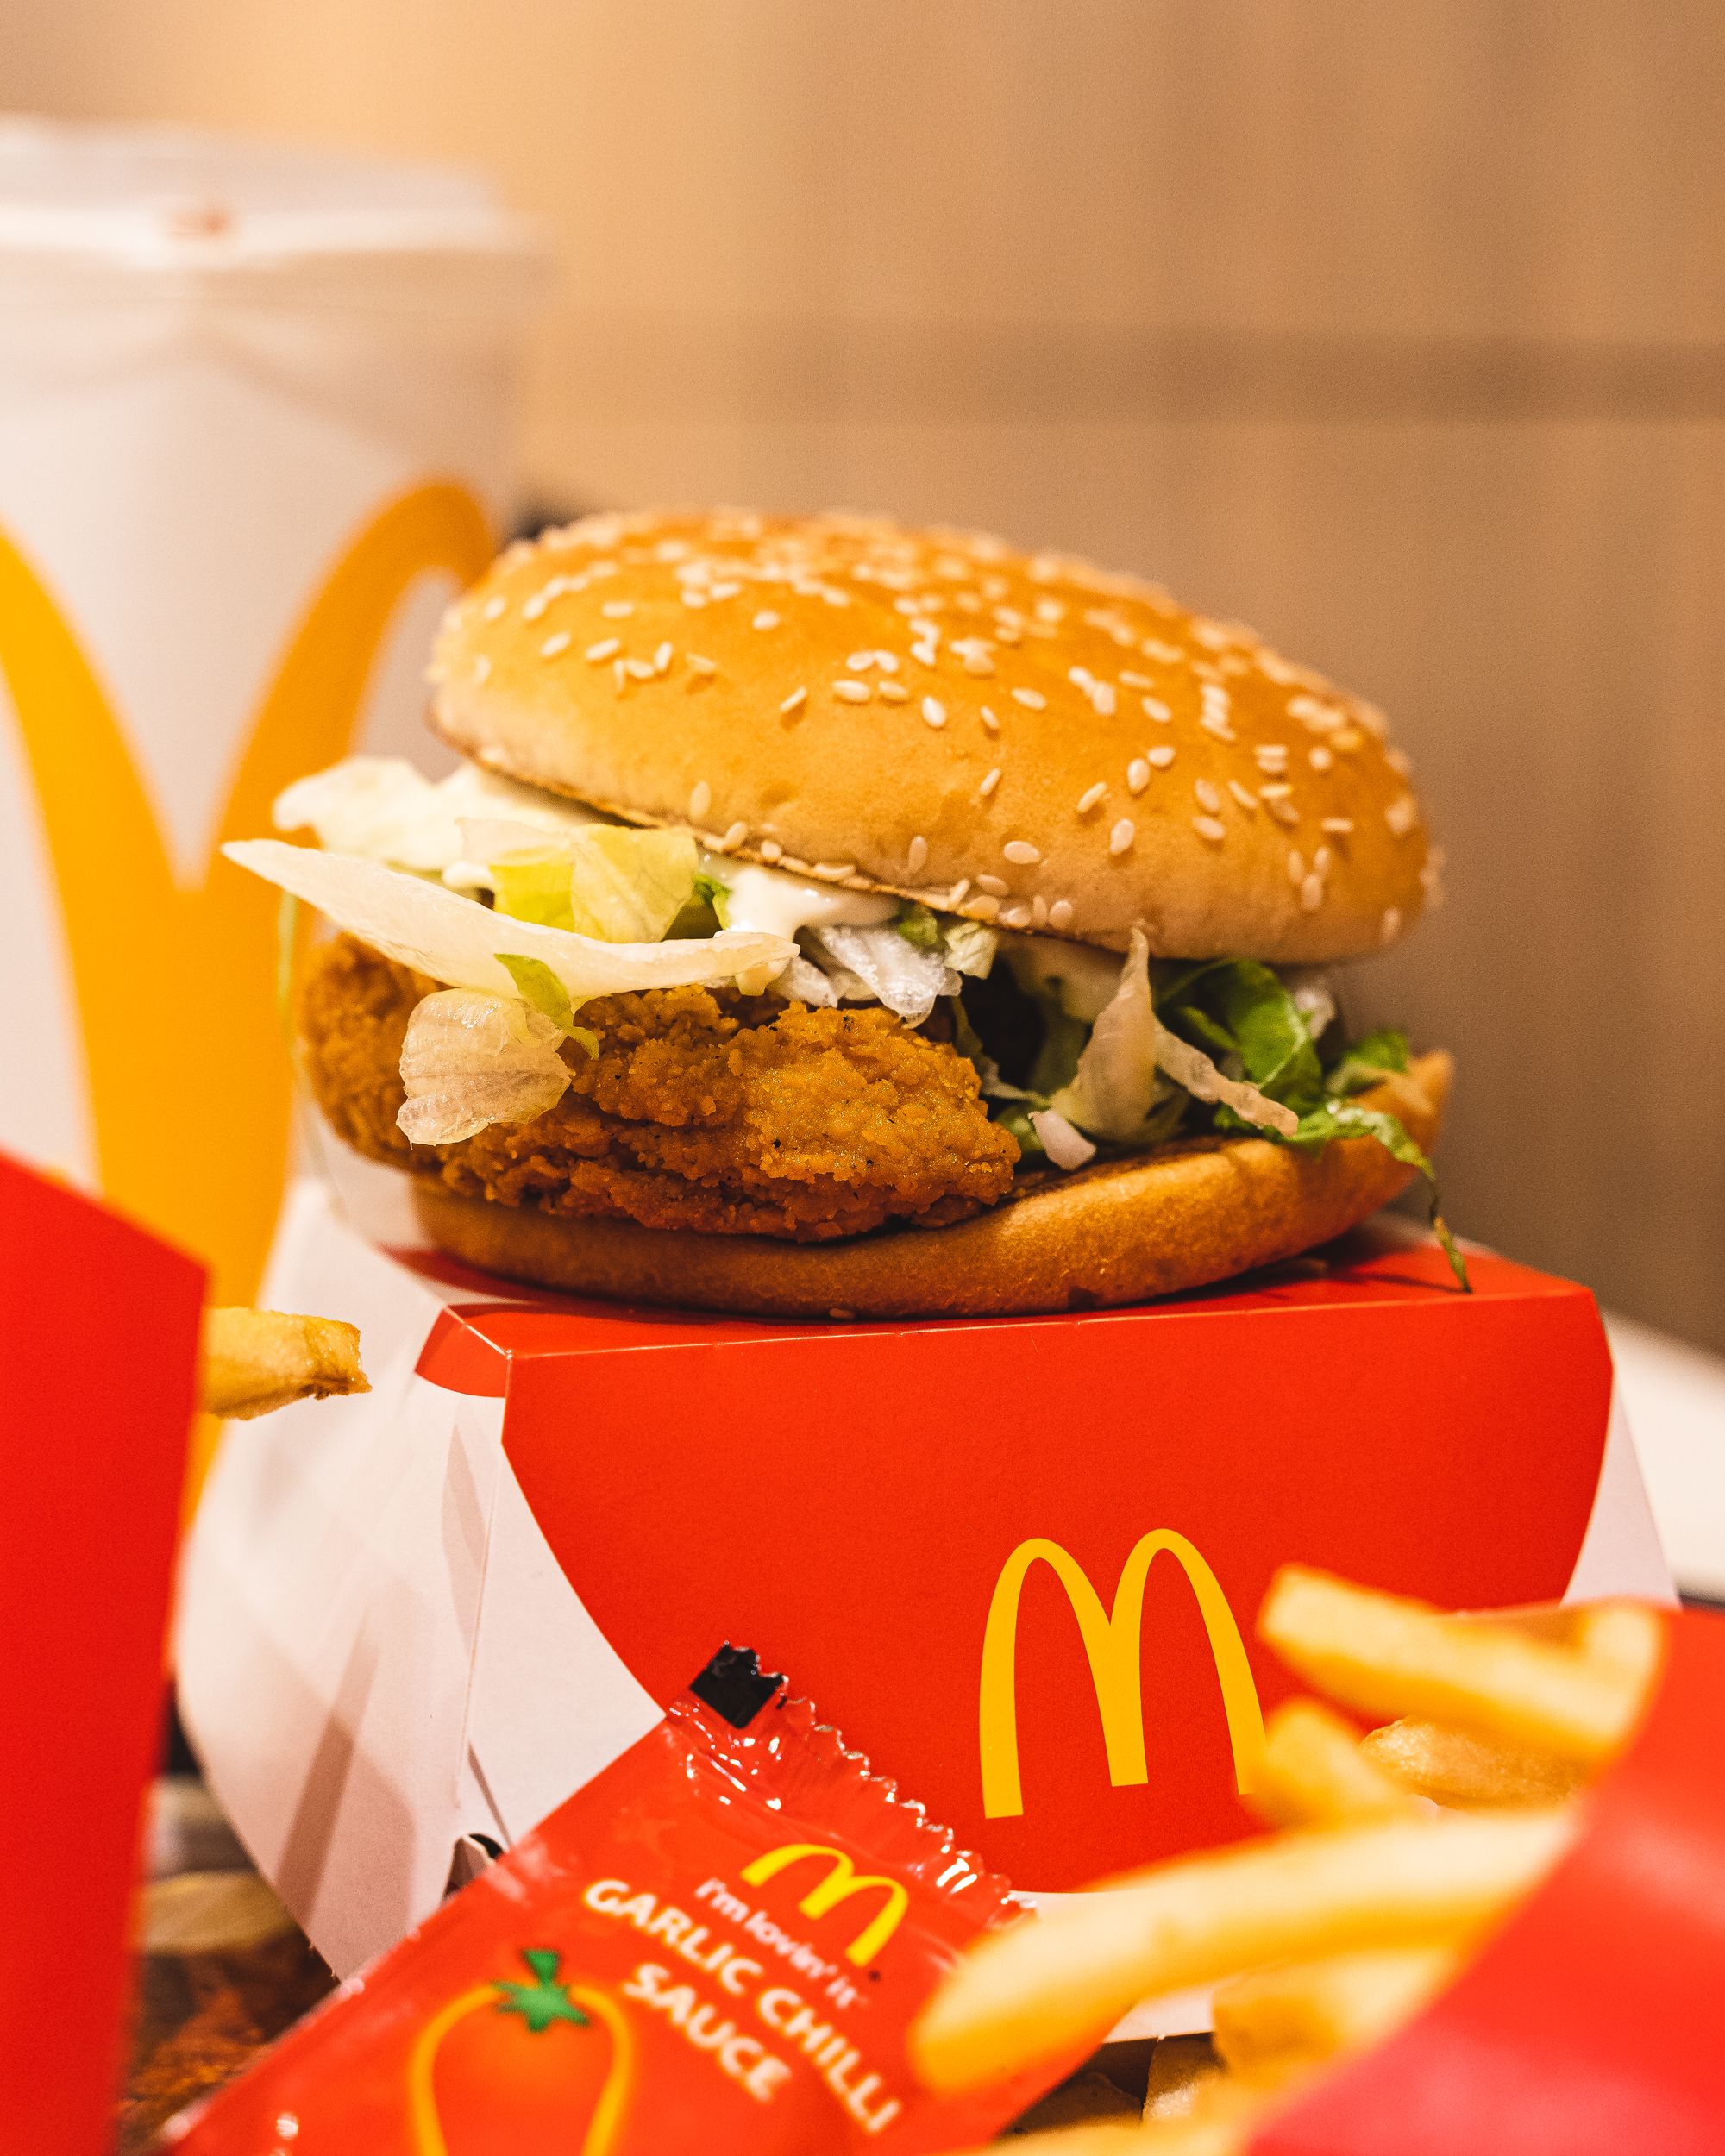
[
  {"x": 256, "y": 1361},
  {"x": 1181, "y": 2068},
  {"x": 1465, "y": 1772},
  {"x": 1384, "y": 1656},
  {"x": 1314, "y": 1774},
  {"x": 1066, "y": 1978},
  {"x": 1275, "y": 2024}
]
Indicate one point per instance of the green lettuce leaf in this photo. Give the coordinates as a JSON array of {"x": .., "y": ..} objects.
[
  {"x": 1335, "y": 1119},
  {"x": 919, "y": 925},
  {"x": 1365, "y": 1063},
  {"x": 533, "y": 886},
  {"x": 542, "y": 992}
]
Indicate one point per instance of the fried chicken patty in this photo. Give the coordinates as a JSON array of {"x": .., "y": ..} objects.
[{"x": 704, "y": 1109}]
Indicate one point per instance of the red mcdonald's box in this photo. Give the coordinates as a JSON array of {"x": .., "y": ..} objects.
[{"x": 1014, "y": 1558}]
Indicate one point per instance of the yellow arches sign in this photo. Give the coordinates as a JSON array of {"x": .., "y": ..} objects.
[
  {"x": 188, "y": 1089},
  {"x": 1113, "y": 1647}
]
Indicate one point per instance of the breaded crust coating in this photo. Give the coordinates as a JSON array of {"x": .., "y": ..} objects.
[{"x": 704, "y": 1109}]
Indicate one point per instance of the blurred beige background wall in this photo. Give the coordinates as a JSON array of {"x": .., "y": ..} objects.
[{"x": 1396, "y": 330}]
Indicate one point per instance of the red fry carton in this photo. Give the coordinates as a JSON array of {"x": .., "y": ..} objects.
[
  {"x": 719, "y": 1944},
  {"x": 1590, "y": 2023},
  {"x": 98, "y": 1358},
  {"x": 1014, "y": 1558}
]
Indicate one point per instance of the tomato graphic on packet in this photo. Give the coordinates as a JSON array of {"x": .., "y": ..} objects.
[{"x": 510, "y": 2069}]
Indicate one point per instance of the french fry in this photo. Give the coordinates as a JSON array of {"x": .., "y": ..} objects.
[
  {"x": 1314, "y": 1774},
  {"x": 1465, "y": 1772},
  {"x": 1384, "y": 1656},
  {"x": 1181, "y": 2068},
  {"x": 256, "y": 1361},
  {"x": 1623, "y": 1636},
  {"x": 1033, "y": 1992},
  {"x": 1277, "y": 2023}
]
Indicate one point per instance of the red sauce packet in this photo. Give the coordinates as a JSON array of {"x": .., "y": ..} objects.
[{"x": 719, "y": 1943}]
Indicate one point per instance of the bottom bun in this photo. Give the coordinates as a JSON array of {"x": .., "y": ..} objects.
[{"x": 1117, "y": 1232}]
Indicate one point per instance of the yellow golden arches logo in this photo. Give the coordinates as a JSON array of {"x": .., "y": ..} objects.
[
  {"x": 1113, "y": 1646},
  {"x": 841, "y": 1881},
  {"x": 190, "y": 1093}
]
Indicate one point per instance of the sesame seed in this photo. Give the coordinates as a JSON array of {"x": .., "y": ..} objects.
[
  {"x": 1154, "y": 708},
  {"x": 494, "y": 606},
  {"x": 1241, "y": 795},
  {"x": 955, "y": 897},
  {"x": 990, "y": 782},
  {"x": 1161, "y": 758},
  {"x": 662, "y": 657},
  {"x": 993, "y": 886},
  {"x": 619, "y": 675},
  {"x": 1346, "y": 739},
  {"x": 1033, "y": 699},
  {"x": 1296, "y": 866},
  {"x": 534, "y": 607},
  {"x": 1320, "y": 758},
  {"x": 1401, "y": 814},
  {"x": 723, "y": 591},
  {"x": 923, "y": 654},
  {"x": 700, "y": 800},
  {"x": 1213, "y": 722},
  {"x": 1038, "y": 911},
  {"x": 1137, "y": 775},
  {"x": 1136, "y": 681},
  {"x": 833, "y": 871},
  {"x": 1088, "y": 798},
  {"x": 637, "y": 669},
  {"x": 771, "y": 849},
  {"x": 991, "y": 724},
  {"x": 1019, "y": 916},
  {"x": 892, "y": 692},
  {"x": 692, "y": 598},
  {"x": 766, "y": 619},
  {"x": 852, "y": 692},
  {"x": 977, "y": 661},
  {"x": 1021, "y": 853},
  {"x": 1276, "y": 792},
  {"x": 1060, "y": 913},
  {"x": 1390, "y": 926},
  {"x": 934, "y": 710},
  {"x": 1122, "y": 836},
  {"x": 1339, "y": 826},
  {"x": 696, "y": 664},
  {"x": 886, "y": 661},
  {"x": 618, "y": 609},
  {"x": 794, "y": 700},
  {"x": 916, "y": 856},
  {"x": 1312, "y": 893},
  {"x": 1207, "y": 795},
  {"x": 860, "y": 661},
  {"x": 1284, "y": 811},
  {"x": 482, "y": 667},
  {"x": 1271, "y": 755},
  {"x": 1398, "y": 761},
  {"x": 985, "y": 908},
  {"x": 607, "y": 648},
  {"x": 1208, "y": 827},
  {"x": 734, "y": 837},
  {"x": 1323, "y": 859}
]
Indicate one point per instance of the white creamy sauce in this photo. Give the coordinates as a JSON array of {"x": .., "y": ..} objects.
[{"x": 780, "y": 904}]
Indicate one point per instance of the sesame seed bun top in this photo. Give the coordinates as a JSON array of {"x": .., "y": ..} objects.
[{"x": 1019, "y": 739}]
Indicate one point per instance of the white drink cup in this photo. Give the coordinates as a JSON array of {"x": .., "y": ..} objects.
[{"x": 255, "y": 424}]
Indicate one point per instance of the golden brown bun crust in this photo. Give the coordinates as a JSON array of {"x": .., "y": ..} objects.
[
  {"x": 1114, "y": 1233},
  {"x": 726, "y": 673}
]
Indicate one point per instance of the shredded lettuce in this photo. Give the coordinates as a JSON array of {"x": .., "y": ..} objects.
[
  {"x": 541, "y": 991},
  {"x": 382, "y": 808},
  {"x": 878, "y": 964},
  {"x": 616, "y": 885},
  {"x": 287, "y": 944},
  {"x": 458, "y": 941},
  {"x": 1066, "y": 1147},
  {"x": 1248, "y": 1013},
  {"x": 471, "y": 1059}
]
